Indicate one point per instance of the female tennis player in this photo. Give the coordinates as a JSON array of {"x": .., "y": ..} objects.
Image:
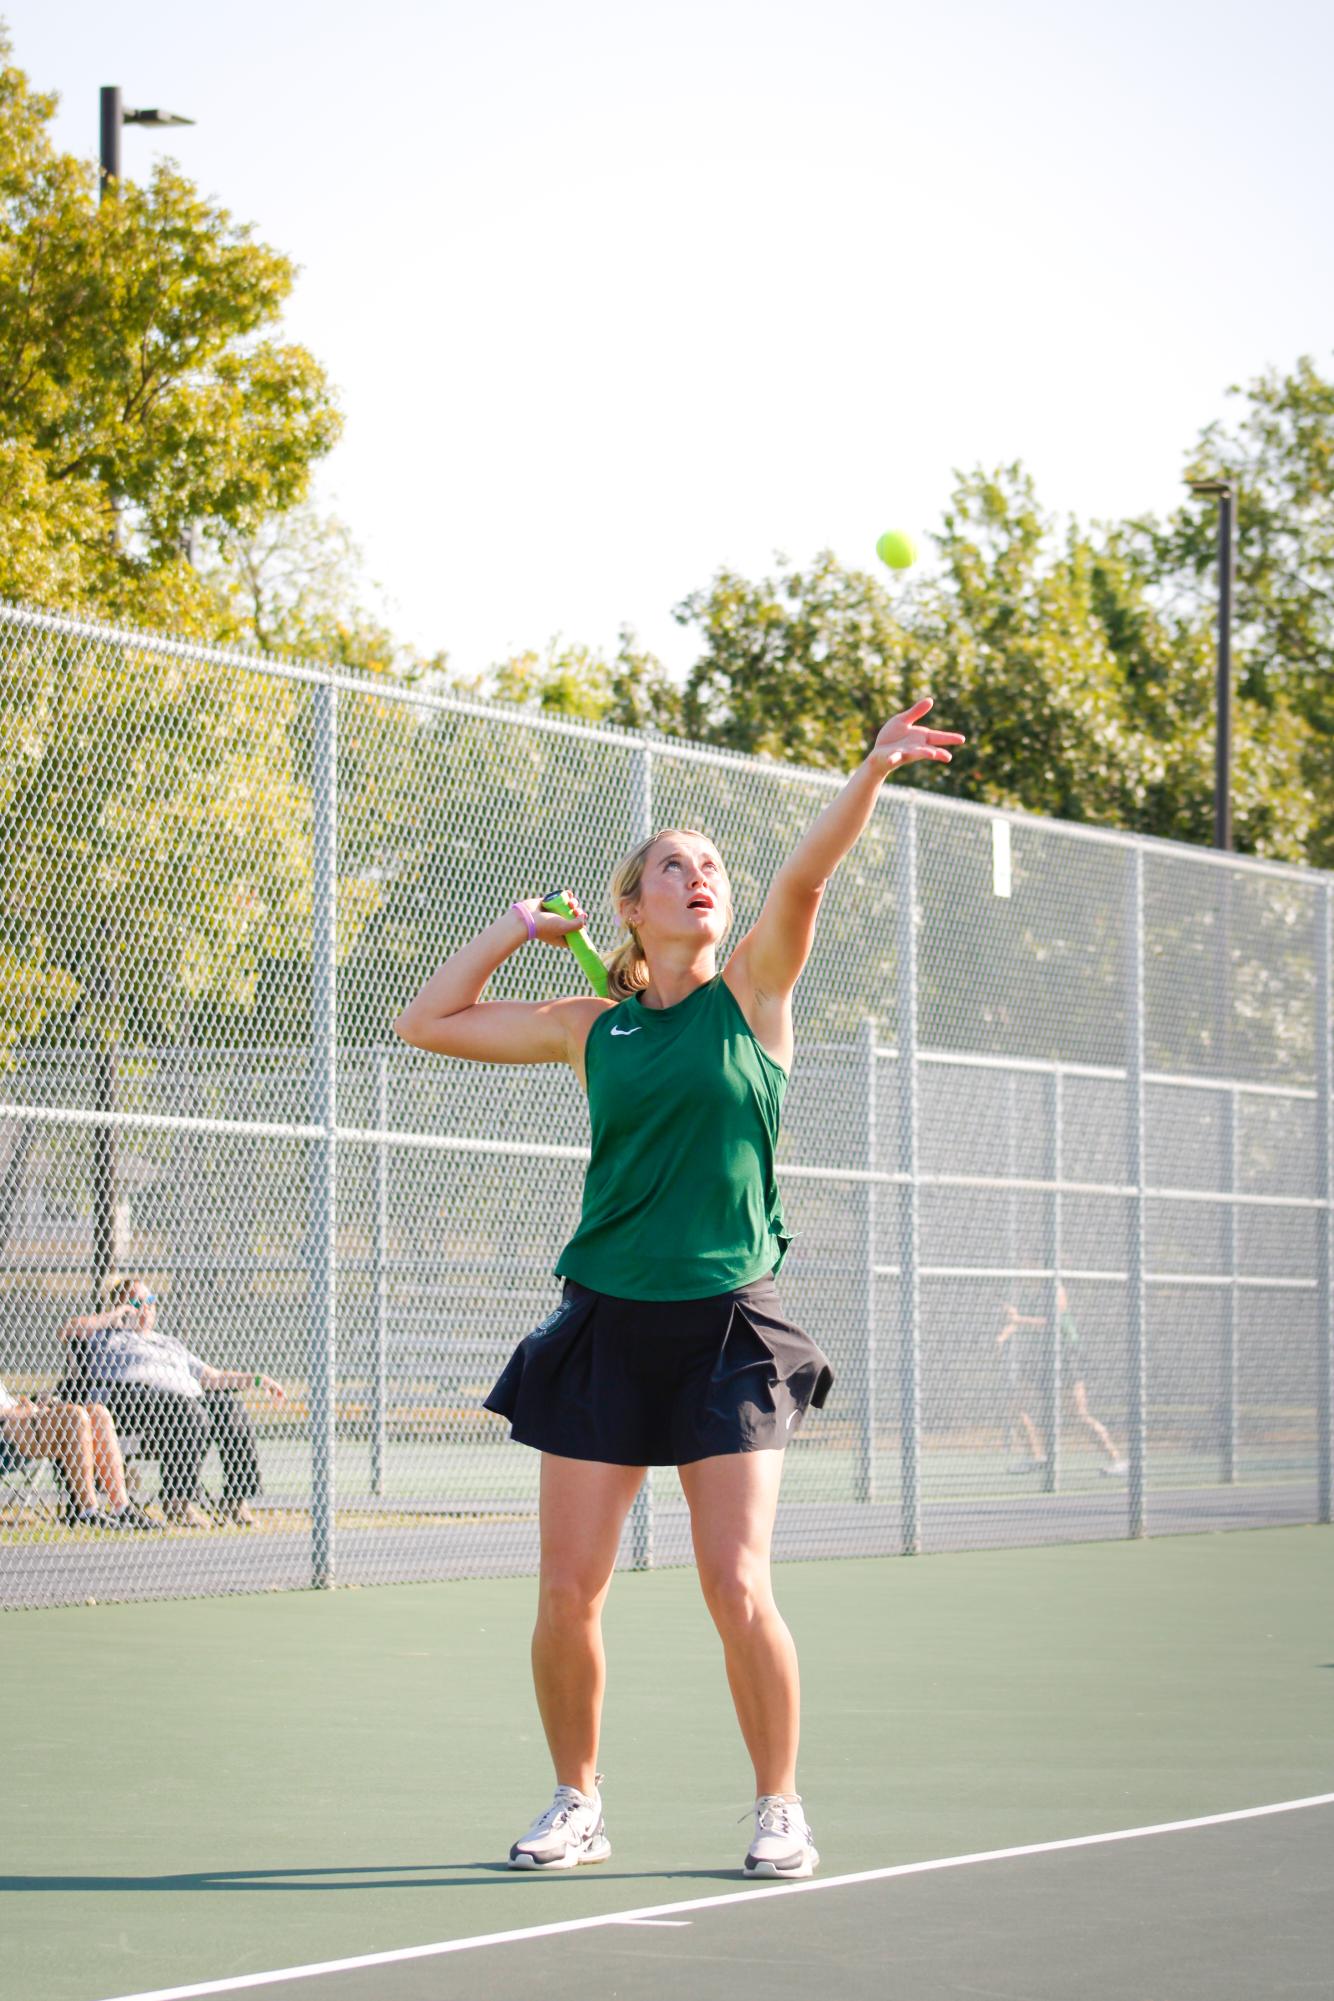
[{"x": 670, "y": 1346}]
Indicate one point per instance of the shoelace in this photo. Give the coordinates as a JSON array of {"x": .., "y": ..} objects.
[
  {"x": 567, "y": 1801},
  {"x": 775, "y": 1815},
  {"x": 560, "y": 1810}
]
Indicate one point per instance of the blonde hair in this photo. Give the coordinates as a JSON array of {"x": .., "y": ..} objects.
[{"x": 627, "y": 968}]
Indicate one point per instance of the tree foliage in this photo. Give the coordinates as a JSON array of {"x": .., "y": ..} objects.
[
  {"x": 1280, "y": 457},
  {"x": 1079, "y": 661},
  {"x": 632, "y": 689},
  {"x": 145, "y": 395},
  {"x": 296, "y": 584}
]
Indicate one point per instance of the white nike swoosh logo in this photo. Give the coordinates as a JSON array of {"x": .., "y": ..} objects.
[
  {"x": 790, "y": 1420},
  {"x": 625, "y": 1031}
]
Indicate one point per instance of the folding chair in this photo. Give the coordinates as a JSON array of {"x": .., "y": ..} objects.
[{"x": 19, "y": 1485}]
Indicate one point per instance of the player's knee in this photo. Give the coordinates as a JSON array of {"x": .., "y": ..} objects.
[
  {"x": 736, "y": 1594},
  {"x": 569, "y": 1596}
]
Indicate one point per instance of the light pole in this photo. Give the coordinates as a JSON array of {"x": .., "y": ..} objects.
[
  {"x": 1223, "y": 699},
  {"x": 1223, "y": 999},
  {"x": 114, "y": 116}
]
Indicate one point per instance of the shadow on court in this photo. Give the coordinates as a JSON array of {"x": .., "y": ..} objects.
[
  {"x": 374, "y": 1876},
  {"x": 1215, "y": 1913}
]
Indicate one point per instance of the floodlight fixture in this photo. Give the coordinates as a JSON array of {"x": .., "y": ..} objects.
[{"x": 115, "y": 116}]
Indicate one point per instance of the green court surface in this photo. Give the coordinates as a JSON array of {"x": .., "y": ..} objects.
[{"x": 200, "y": 1790}]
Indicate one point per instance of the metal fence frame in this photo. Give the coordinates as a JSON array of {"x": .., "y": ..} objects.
[{"x": 327, "y": 1135}]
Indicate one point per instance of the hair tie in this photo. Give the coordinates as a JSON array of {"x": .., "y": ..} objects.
[{"x": 527, "y": 917}]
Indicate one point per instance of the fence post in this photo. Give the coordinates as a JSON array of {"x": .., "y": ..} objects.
[
  {"x": 1231, "y": 1109},
  {"x": 641, "y": 826},
  {"x": 380, "y": 1273},
  {"x": 321, "y": 1238},
  {"x": 1012, "y": 1257},
  {"x": 1135, "y": 1248},
  {"x": 1324, "y": 1140},
  {"x": 910, "y": 1319},
  {"x": 1051, "y": 1472},
  {"x": 866, "y": 1448},
  {"x": 244, "y": 1228}
]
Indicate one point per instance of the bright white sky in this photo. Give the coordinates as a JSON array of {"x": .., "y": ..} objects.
[{"x": 615, "y": 294}]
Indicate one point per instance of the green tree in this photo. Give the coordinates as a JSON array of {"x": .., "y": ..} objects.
[
  {"x": 296, "y": 584},
  {"x": 1084, "y": 698},
  {"x": 1081, "y": 696},
  {"x": 632, "y": 689},
  {"x": 1280, "y": 457},
  {"x": 804, "y": 665},
  {"x": 144, "y": 394}
]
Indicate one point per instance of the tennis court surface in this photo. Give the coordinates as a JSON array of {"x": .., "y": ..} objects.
[{"x": 1031, "y": 1773}]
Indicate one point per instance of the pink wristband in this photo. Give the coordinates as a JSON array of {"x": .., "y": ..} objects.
[{"x": 527, "y": 917}]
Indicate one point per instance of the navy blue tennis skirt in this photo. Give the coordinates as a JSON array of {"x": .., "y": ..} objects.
[{"x": 661, "y": 1382}]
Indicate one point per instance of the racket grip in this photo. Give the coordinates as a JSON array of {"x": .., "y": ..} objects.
[{"x": 594, "y": 970}]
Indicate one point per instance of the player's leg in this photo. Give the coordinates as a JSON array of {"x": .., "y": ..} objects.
[
  {"x": 733, "y": 1499},
  {"x": 1079, "y": 1398},
  {"x": 583, "y": 1507},
  {"x": 1030, "y": 1431}
]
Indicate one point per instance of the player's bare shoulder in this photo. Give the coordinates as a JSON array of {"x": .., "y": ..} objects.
[{"x": 582, "y": 1010}]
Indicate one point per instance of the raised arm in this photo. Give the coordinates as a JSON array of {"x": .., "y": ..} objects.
[
  {"x": 450, "y": 1018},
  {"x": 88, "y": 1323},
  {"x": 778, "y": 944}
]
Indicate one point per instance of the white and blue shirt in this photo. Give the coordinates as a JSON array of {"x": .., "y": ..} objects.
[{"x": 140, "y": 1358}]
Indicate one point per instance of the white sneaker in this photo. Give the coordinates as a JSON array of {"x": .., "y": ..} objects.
[
  {"x": 1114, "y": 1466},
  {"x": 571, "y": 1831},
  {"x": 782, "y": 1844}
]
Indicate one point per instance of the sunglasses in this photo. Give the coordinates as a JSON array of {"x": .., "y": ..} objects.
[{"x": 142, "y": 1299}]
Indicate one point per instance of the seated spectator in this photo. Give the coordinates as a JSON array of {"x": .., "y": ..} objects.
[
  {"x": 82, "y": 1441},
  {"x": 178, "y": 1403}
]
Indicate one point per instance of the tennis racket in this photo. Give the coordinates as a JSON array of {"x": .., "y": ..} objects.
[{"x": 556, "y": 900}]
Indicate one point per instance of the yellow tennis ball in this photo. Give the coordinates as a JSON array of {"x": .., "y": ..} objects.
[{"x": 899, "y": 551}]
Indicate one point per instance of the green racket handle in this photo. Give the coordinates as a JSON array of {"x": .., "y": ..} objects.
[{"x": 577, "y": 941}]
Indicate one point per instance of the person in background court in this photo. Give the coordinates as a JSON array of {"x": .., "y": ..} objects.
[{"x": 1026, "y": 1362}]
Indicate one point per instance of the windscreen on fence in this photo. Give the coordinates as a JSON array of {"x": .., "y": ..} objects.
[{"x": 1055, "y": 1150}]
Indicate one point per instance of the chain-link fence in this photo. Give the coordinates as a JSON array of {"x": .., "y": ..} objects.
[{"x": 1055, "y": 1149}]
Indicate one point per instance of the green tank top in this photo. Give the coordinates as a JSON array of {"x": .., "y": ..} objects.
[{"x": 680, "y": 1199}]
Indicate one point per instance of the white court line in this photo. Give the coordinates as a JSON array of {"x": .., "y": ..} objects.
[{"x": 648, "y": 1912}]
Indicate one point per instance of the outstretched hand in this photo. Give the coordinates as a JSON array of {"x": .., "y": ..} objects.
[{"x": 903, "y": 741}]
